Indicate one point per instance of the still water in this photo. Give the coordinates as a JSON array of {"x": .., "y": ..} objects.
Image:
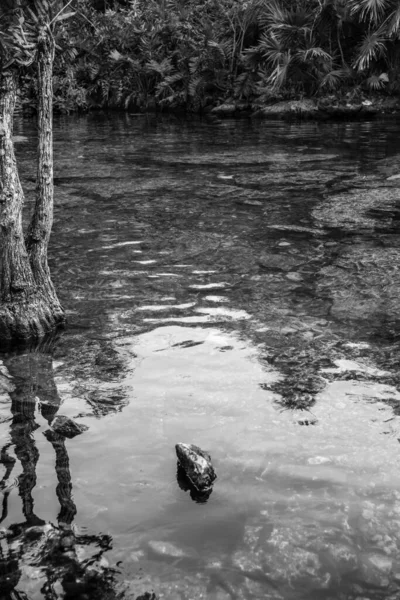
[{"x": 229, "y": 284}]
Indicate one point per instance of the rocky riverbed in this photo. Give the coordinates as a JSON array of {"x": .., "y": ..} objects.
[{"x": 232, "y": 284}]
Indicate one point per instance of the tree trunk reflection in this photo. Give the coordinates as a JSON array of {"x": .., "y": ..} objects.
[{"x": 50, "y": 548}]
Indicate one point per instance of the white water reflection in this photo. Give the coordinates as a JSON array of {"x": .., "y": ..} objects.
[
  {"x": 343, "y": 365},
  {"x": 216, "y": 299},
  {"x": 117, "y": 245},
  {"x": 192, "y": 320},
  {"x": 166, "y": 275},
  {"x": 145, "y": 262},
  {"x": 161, "y": 307},
  {"x": 209, "y": 286},
  {"x": 216, "y": 312},
  {"x": 287, "y": 496},
  {"x": 211, "y": 314}
]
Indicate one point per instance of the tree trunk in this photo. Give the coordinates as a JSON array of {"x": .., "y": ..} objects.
[
  {"x": 29, "y": 306},
  {"x": 17, "y": 285},
  {"x": 16, "y": 277},
  {"x": 42, "y": 220}
]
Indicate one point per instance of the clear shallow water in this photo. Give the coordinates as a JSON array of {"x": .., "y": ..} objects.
[{"x": 214, "y": 274}]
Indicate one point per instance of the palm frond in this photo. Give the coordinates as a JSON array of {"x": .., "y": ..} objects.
[
  {"x": 273, "y": 13},
  {"x": 162, "y": 67},
  {"x": 313, "y": 53},
  {"x": 280, "y": 74},
  {"x": 271, "y": 49},
  {"x": 377, "y": 82},
  {"x": 394, "y": 23},
  {"x": 372, "y": 47},
  {"x": 372, "y": 10},
  {"x": 298, "y": 18},
  {"x": 334, "y": 79}
]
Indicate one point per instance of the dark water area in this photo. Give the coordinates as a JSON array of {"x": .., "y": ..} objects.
[{"x": 229, "y": 284}]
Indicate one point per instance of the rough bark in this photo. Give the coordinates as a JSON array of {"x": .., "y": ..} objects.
[
  {"x": 40, "y": 228},
  {"x": 16, "y": 279},
  {"x": 29, "y": 307}
]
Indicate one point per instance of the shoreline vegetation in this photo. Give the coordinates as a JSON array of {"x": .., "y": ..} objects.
[
  {"x": 268, "y": 58},
  {"x": 321, "y": 109},
  {"x": 351, "y": 106}
]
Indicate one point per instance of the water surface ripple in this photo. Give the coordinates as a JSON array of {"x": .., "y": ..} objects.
[{"x": 230, "y": 284}]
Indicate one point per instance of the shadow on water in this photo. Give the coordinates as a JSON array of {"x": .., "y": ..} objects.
[
  {"x": 35, "y": 549},
  {"x": 184, "y": 483}
]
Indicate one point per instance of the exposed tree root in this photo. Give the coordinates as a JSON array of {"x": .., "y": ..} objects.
[{"x": 29, "y": 321}]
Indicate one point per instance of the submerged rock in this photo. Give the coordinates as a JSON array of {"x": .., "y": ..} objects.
[
  {"x": 229, "y": 109},
  {"x": 340, "y": 558},
  {"x": 226, "y": 110},
  {"x": 375, "y": 570},
  {"x": 280, "y": 261},
  {"x": 286, "y": 108},
  {"x": 196, "y": 463},
  {"x": 67, "y": 427},
  {"x": 169, "y": 550}
]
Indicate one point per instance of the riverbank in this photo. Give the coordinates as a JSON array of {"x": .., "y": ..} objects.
[
  {"x": 354, "y": 105},
  {"x": 329, "y": 107}
]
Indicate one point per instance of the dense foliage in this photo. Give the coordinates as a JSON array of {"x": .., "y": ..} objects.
[{"x": 143, "y": 54}]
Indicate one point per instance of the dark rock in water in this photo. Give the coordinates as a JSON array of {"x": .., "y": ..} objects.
[
  {"x": 67, "y": 427},
  {"x": 201, "y": 497},
  {"x": 147, "y": 596},
  {"x": 196, "y": 465}
]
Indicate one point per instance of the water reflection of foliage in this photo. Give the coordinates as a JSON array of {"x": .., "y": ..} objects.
[
  {"x": 301, "y": 364},
  {"x": 104, "y": 402},
  {"x": 93, "y": 358},
  {"x": 53, "y": 555},
  {"x": 54, "y": 552},
  {"x": 309, "y": 367},
  {"x": 96, "y": 369}
]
